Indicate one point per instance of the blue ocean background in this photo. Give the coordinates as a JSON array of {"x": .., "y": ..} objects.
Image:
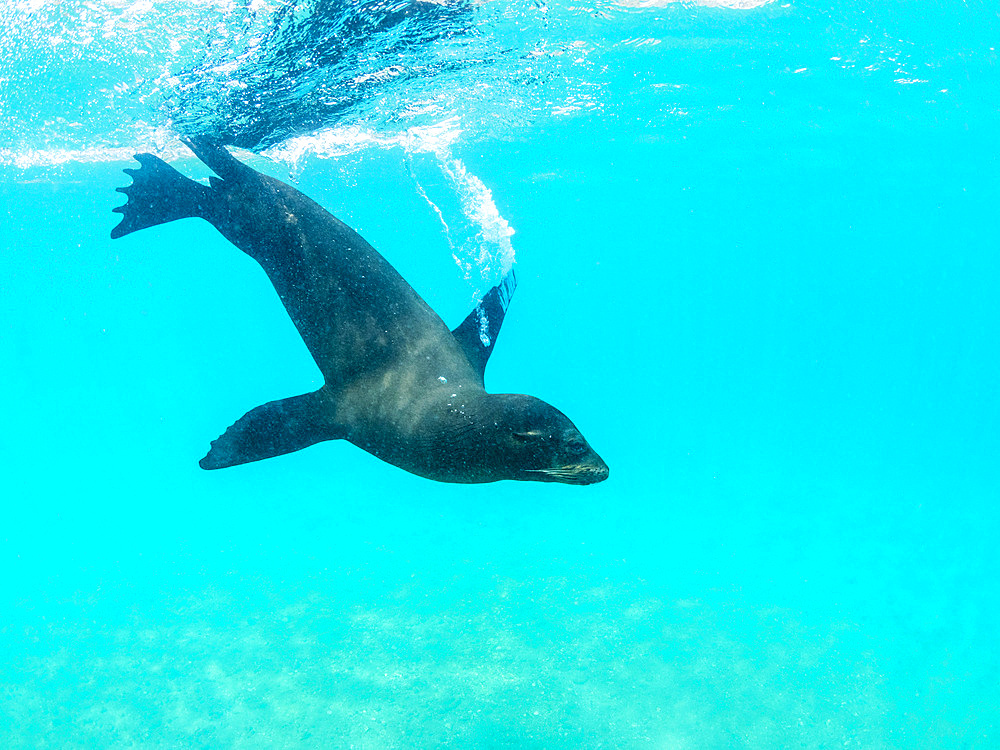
[{"x": 757, "y": 253}]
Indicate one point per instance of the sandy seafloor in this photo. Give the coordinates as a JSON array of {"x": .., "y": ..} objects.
[{"x": 779, "y": 328}]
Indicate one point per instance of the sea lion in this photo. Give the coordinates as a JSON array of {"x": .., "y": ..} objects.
[{"x": 398, "y": 383}]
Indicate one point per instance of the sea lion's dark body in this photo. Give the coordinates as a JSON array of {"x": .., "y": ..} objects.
[{"x": 398, "y": 383}]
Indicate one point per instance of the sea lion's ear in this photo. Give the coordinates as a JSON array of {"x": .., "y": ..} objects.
[
  {"x": 529, "y": 435},
  {"x": 478, "y": 332}
]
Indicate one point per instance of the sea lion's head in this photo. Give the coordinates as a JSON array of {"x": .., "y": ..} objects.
[{"x": 539, "y": 443}]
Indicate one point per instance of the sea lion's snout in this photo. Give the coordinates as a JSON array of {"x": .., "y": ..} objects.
[
  {"x": 544, "y": 446},
  {"x": 597, "y": 473},
  {"x": 571, "y": 461},
  {"x": 589, "y": 468},
  {"x": 581, "y": 474},
  {"x": 590, "y": 471}
]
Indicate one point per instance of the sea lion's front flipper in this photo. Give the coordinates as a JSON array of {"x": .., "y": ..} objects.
[
  {"x": 158, "y": 194},
  {"x": 218, "y": 159},
  {"x": 274, "y": 429},
  {"x": 478, "y": 332}
]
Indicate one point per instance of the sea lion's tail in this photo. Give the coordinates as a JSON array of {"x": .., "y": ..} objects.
[{"x": 158, "y": 194}]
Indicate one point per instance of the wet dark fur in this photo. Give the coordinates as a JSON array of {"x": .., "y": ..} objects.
[{"x": 398, "y": 383}]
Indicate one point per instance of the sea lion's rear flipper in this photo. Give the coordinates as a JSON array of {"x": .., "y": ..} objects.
[
  {"x": 273, "y": 429},
  {"x": 158, "y": 194},
  {"x": 478, "y": 332}
]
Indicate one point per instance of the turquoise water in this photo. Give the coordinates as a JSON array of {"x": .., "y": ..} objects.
[{"x": 757, "y": 261}]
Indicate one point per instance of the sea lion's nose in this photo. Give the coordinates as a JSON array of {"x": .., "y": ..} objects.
[{"x": 599, "y": 472}]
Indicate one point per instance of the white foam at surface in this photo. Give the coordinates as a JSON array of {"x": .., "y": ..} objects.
[
  {"x": 340, "y": 141},
  {"x": 327, "y": 144},
  {"x": 54, "y": 157},
  {"x": 728, "y": 4}
]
